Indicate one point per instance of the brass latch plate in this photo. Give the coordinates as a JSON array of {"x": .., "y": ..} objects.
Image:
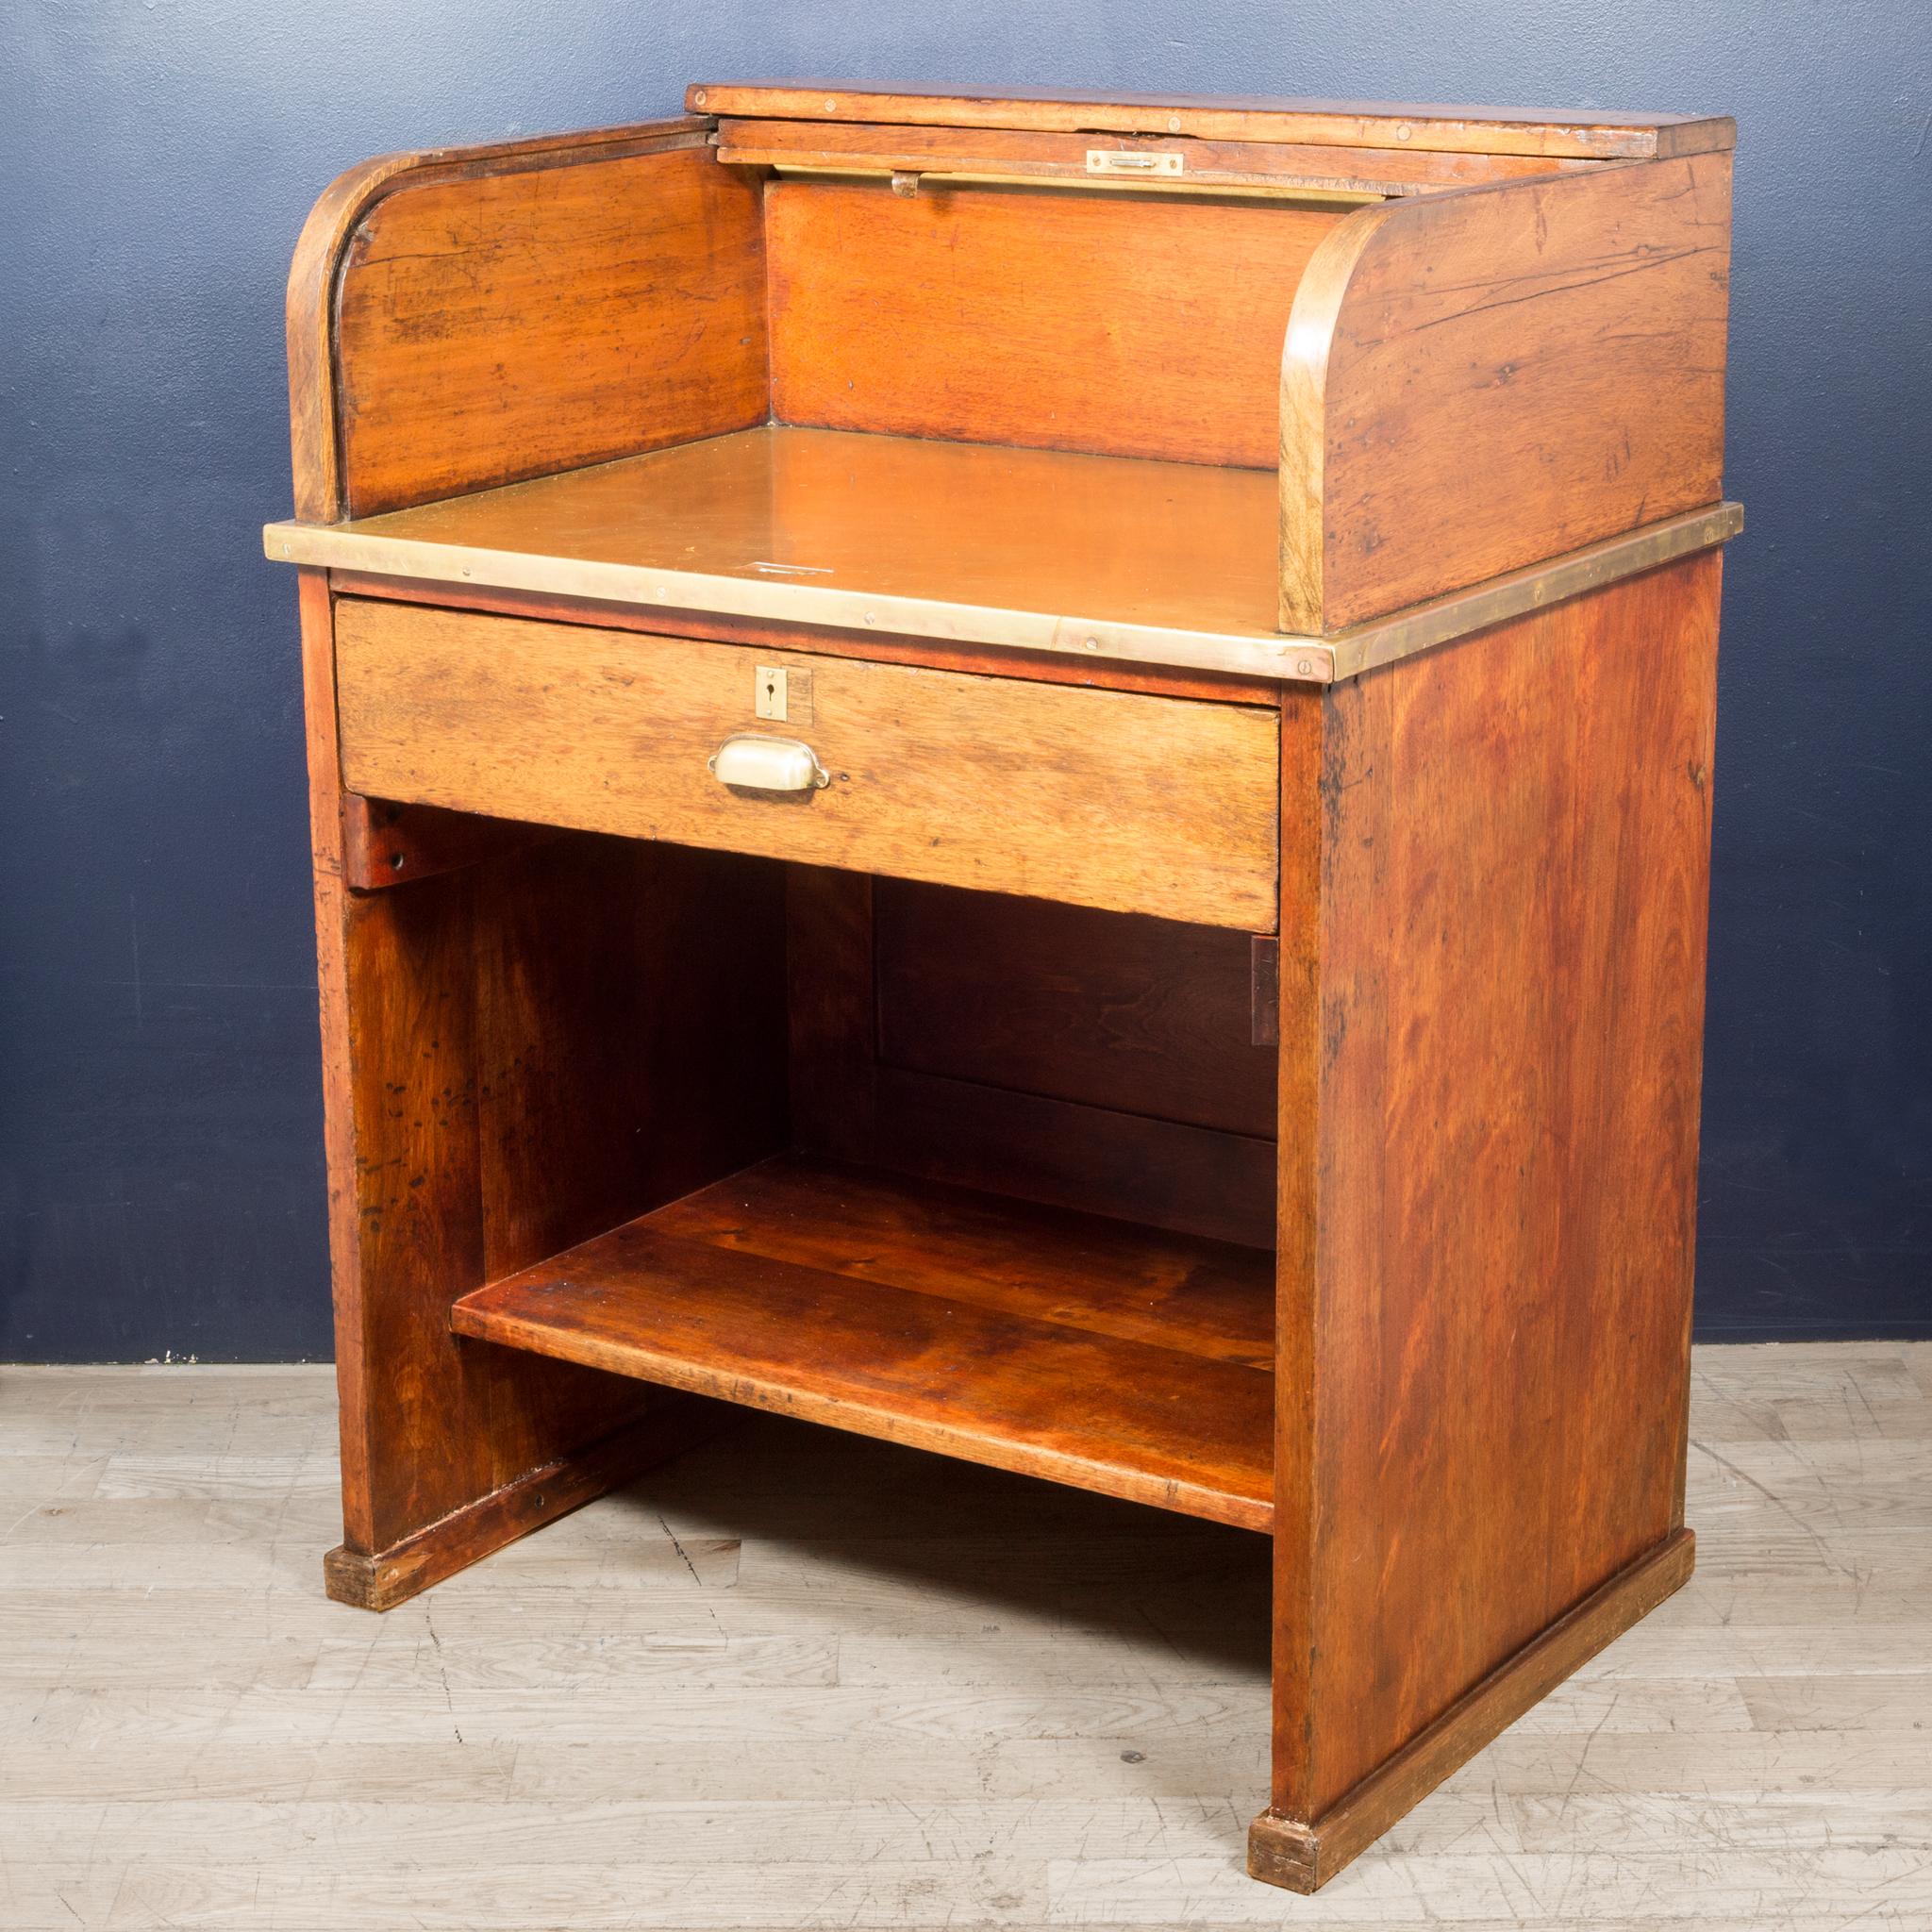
[{"x": 1132, "y": 160}]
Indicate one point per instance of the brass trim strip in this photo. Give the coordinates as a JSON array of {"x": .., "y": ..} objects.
[
  {"x": 1383, "y": 639},
  {"x": 1295, "y": 659},
  {"x": 1232, "y": 187}
]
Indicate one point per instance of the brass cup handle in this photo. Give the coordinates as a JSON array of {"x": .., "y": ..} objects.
[{"x": 749, "y": 762}]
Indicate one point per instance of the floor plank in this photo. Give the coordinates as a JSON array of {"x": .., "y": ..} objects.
[{"x": 804, "y": 1679}]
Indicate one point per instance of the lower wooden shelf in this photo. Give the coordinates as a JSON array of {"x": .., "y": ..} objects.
[{"x": 1093, "y": 1352}]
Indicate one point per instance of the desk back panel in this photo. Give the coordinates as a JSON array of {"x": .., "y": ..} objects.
[
  {"x": 1120, "y": 324},
  {"x": 1145, "y": 1016},
  {"x": 1093, "y": 1061}
]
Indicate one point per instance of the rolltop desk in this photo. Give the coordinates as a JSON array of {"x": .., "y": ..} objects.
[{"x": 1033, "y": 776}]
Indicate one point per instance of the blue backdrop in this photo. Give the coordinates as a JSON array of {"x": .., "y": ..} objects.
[{"x": 160, "y": 1170}]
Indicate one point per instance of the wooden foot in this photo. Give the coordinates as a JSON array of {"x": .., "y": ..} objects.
[
  {"x": 391, "y": 1576},
  {"x": 1304, "y": 1856}
]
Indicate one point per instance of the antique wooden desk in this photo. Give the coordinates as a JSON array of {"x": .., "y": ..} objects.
[{"x": 1033, "y": 776}]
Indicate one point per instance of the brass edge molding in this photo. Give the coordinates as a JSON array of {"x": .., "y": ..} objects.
[
  {"x": 1292, "y": 659},
  {"x": 1384, "y": 639},
  {"x": 1228, "y": 187},
  {"x": 1264, "y": 653}
]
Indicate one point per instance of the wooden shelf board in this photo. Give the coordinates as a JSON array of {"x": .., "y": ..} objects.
[{"x": 1093, "y": 1352}]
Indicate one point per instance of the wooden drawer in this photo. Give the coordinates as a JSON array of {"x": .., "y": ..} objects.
[{"x": 1116, "y": 799}]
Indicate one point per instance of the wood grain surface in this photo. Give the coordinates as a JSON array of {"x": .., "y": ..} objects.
[
  {"x": 1013, "y": 1339},
  {"x": 1097, "y": 560},
  {"x": 833, "y": 1010},
  {"x": 1105, "y": 798},
  {"x": 1487, "y": 1250},
  {"x": 1099, "y": 1160},
  {"x": 1593, "y": 132},
  {"x": 499, "y": 1059},
  {"x": 516, "y": 324},
  {"x": 315, "y": 403},
  {"x": 1480, "y": 380},
  {"x": 1144, "y": 1016},
  {"x": 1076, "y": 1270},
  {"x": 1276, "y": 165},
  {"x": 1044, "y": 1052},
  {"x": 981, "y": 660},
  {"x": 1120, "y": 326},
  {"x": 1305, "y": 1856},
  {"x": 385, "y": 843}
]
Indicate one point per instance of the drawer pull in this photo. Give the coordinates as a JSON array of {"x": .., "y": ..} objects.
[{"x": 754, "y": 763}]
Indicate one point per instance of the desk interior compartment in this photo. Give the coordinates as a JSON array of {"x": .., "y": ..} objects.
[{"x": 977, "y": 1173}]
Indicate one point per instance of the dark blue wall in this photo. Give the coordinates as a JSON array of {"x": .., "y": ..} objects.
[{"x": 160, "y": 1170}]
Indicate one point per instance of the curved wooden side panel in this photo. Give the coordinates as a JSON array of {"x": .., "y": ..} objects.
[
  {"x": 465, "y": 316},
  {"x": 1483, "y": 378}
]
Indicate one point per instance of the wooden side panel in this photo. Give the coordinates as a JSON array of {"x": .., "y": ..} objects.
[
  {"x": 316, "y": 610},
  {"x": 537, "y": 317},
  {"x": 1115, "y": 324},
  {"x": 631, "y": 1034},
  {"x": 538, "y": 1046},
  {"x": 1107, "y": 798},
  {"x": 1479, "y": 380},
  {"x": 1142, "y": 1016},
  {"x": 1494, "y": 1312}
]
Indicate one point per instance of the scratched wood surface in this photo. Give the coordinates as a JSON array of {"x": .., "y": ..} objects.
[
  {"x": 744, "y": 1694},
  {"x": 1560, "y": 380},
  {"x": 990, "y": 782},
  {"x": 503, "y": 324}
]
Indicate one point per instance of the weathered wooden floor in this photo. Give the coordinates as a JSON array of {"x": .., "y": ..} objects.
[{"x": 804, "y": 1680}]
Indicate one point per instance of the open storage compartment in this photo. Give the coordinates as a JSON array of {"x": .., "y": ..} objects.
[{"x": 1024, "y": 1216}]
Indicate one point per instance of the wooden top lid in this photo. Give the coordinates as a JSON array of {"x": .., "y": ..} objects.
[{"x": 1587, "y": 134}]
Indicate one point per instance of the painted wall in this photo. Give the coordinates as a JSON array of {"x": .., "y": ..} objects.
[{"x": 161, "y": 1169}]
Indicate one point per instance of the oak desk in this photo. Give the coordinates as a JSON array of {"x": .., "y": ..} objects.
[{"x": 1033, "y": 776}]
